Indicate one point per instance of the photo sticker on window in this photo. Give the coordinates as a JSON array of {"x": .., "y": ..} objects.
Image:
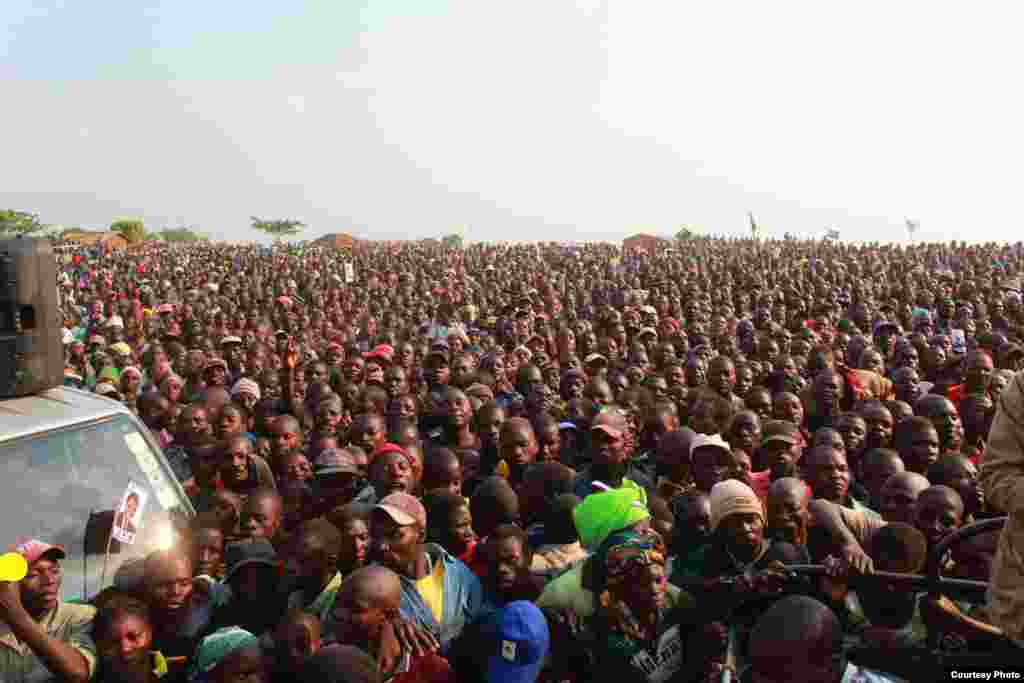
[{"x": 128, "y": 518}]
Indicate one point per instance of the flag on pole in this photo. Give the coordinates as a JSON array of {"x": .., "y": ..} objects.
[
  {"x": 755, "y": 229},
  {"x": 912, "y": 226}
]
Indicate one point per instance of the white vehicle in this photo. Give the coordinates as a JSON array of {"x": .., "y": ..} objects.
[{"x": 69, "y": 463}]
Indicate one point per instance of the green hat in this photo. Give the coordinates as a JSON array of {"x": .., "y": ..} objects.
[
  {"x": 219, "y": 645},
  {"x": 602, "y": 514},
  {"x": 109, "y": 374}
]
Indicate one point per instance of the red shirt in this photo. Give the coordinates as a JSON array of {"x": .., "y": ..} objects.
[
  {"x": 468, "y": 557},
  {"x": 428, "y": 668}
]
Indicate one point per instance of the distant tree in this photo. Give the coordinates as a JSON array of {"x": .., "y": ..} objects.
[
  {"x": 53, "y": 232},
  {"x": 278, "y": 228},
  {"x": 452, "y": 241},
  {"x": 686, "y": 233},
  {"x": 180, "y": 235},
  {"x": 18, "y": 222},
  {"x": 132, "y": 229}
]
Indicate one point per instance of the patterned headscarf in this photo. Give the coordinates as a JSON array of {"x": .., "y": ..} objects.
[
  {"x": 618, "y": 560},
  {"x": 626, "y": 552}
]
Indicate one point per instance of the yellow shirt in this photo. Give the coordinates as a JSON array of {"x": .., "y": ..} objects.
[
  {"x": 69, "y": 623},
  {"x": 323, "y": 605},
  {"x": 431, "y": 588}
]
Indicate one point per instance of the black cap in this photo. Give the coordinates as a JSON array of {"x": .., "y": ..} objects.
[{"x": 242, "y": 553}]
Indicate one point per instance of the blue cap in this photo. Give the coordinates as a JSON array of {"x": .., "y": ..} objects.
[
  {"x": 884, "y": 325},
  {"x": 521, "y": 638}
]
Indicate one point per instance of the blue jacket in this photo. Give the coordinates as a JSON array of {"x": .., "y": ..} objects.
[{"x": 463, "y": 601}]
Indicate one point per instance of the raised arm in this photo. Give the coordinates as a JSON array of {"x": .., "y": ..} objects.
[
  {"x": 61, "y": 659},
  {"x": 829, "y": 516}
]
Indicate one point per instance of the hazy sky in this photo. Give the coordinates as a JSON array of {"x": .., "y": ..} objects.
[{"x": 520, "y": 120}]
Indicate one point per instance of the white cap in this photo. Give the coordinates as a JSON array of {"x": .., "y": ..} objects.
[{"x": 705, "y": 440}]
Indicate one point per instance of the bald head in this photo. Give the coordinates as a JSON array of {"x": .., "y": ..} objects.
[
  {"x": 798, "y": 635},
  {"x": 897, "y": 500},
  {"x": 376, "y": 584},
  {"x": 915, "y": 482},
  {"x": 786, "y": 486},
  {"x": 340, "y": 664},
  {"x": 941, "y": 493}
]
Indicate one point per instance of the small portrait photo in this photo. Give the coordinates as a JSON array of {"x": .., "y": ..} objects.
[{"x": 129, "y": 513}]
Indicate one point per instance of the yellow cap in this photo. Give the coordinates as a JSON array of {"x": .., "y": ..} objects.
[{"x": 13, "y": 567}]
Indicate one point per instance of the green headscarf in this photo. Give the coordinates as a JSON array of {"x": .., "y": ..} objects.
[
  {"x": 602, "y": 514},
  {"x": 217, "y": 647}
]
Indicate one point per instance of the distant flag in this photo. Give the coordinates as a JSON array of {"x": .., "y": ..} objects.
[
  {"x": 912, "y": 226},
  {"x": 755, "y": 229}
]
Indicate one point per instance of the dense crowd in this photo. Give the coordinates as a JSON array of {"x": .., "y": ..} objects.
[{"x": 545, "y": 462}]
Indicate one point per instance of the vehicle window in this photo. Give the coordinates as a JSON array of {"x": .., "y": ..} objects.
[{"x": 56, "y": 485}]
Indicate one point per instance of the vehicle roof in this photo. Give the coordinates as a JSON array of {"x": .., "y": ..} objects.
[{"x": 53, "y": 409}]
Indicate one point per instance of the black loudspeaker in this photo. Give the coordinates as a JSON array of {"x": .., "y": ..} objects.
[{"x": 31, "y": 349}]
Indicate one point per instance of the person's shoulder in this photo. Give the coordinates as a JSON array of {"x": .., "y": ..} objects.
[
  {"x": 862, "y": 509},
  {"x": 73, "y": 612},
  {"x": 689, "y": 566},
  {"x": 638, "y": 476},
  {"x": 677, "y": 598},
  {"x": 583, "y": 485},
  {"x": 450, "y": 562},
  {"x": 570, "y": 581}
]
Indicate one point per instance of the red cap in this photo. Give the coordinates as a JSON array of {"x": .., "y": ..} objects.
[
  {"x": 404, "y": 509},
  {"x": 32, "y": 549},
  {"x": 392, "y": 448},
  {"x": 382, "y": 352}
]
